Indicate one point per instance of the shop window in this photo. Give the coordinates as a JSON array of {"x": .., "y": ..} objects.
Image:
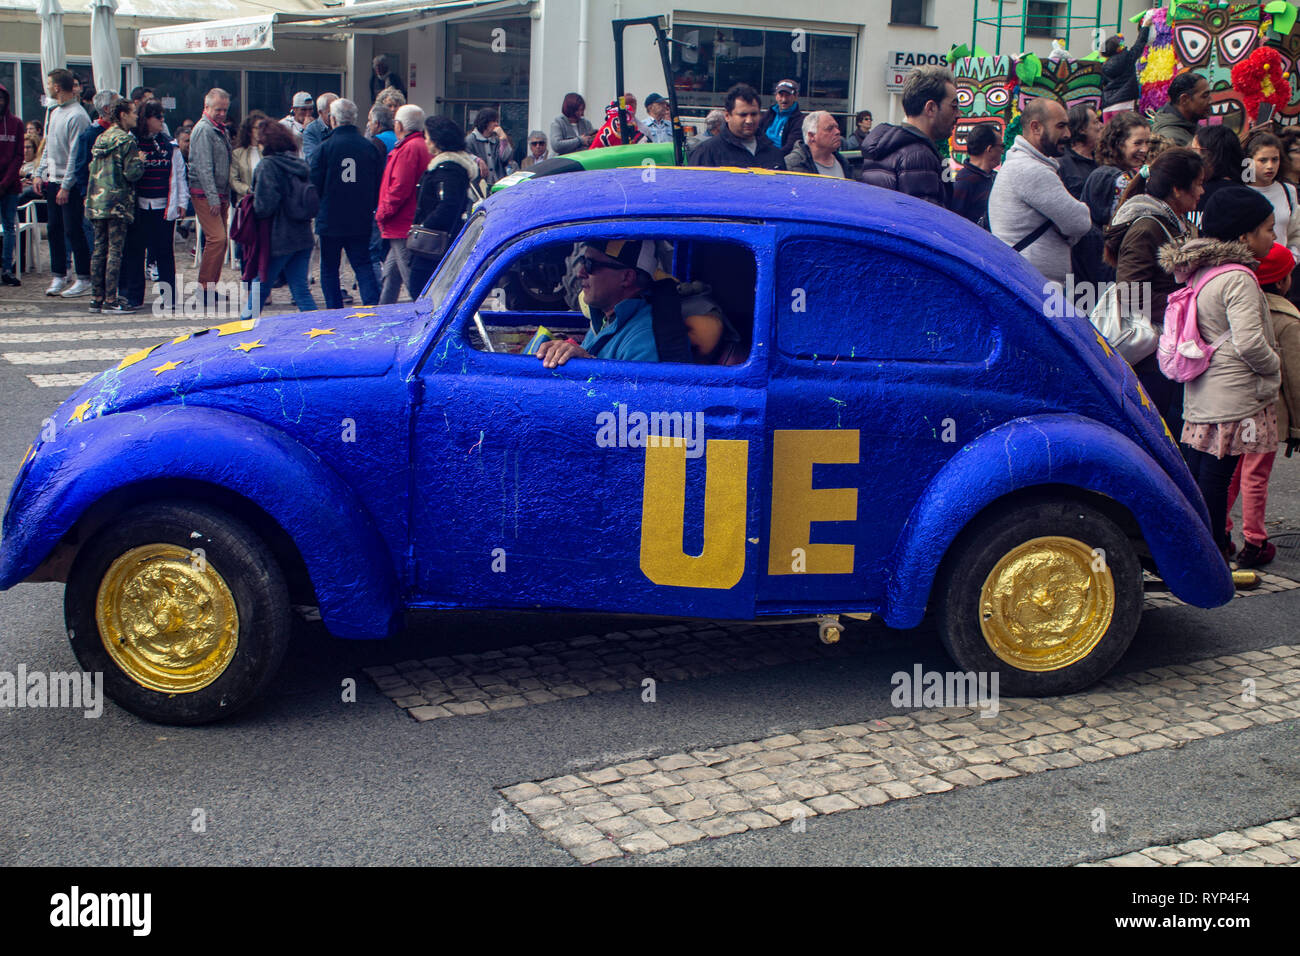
[
  {"x": 708, "y": 60},
  {"x": 1043, "y": 19},
  {"x": 182, "y": 91},
  {"x": 272, "y": 93},
  {"x": 907, "y": 12}
]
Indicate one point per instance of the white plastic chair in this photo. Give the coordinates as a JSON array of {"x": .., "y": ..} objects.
[{"x": 29, "y": 228}]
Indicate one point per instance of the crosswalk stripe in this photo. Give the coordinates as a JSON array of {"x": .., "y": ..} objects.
[
  {"x": 91, "y": 335},
  {"x": 41, "y": 322},
  {"x": 61, "y": 379},
  {"x": 65, "y": 355}
]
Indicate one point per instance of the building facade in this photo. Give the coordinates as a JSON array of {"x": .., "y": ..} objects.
[{"x": 523, "y": 56}]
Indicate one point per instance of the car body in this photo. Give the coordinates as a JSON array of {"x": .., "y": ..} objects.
[{"x": 906, "y": 399}]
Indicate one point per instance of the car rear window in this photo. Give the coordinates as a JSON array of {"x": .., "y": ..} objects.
[{"x": 847, "y": 300}]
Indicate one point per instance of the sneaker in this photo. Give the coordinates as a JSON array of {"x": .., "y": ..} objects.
[
  {"x": 8, "y": 278},
  {"x": 347, "y": 298},
  {"x": 151, "y": 272},
  {"x": 1256, "y": 555},
  {"x": 56, "y": 286},
  {"x": 120, "y": 307},
  {"x": 79, "y": 288},
  {"x": 96, "y": 306}
]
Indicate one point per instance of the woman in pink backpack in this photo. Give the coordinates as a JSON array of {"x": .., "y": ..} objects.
[{"x": 1229, "y": 409}]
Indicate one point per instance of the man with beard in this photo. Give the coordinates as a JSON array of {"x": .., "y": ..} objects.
[{"x": 1029, "y": 207}]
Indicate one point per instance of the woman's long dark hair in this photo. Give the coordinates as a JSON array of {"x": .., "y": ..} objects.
[
  {"x": 1177, "y": 168},
  {"x": 147, "y": 109},
  {"x": 1221, "y": 150},
  {"x": 245, "y": 137}
]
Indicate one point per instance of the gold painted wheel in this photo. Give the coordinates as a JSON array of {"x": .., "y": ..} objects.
[
  {"x": 1046, "y": 604},
  {"x": 168, "y": 621}
]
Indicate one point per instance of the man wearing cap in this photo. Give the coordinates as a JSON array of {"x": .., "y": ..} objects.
[
  {"x": 315, "y": 132},
  {"x": 659, "y": 127},
  {"x": 299, "y": 116},
  {"x": 614, "y": 275},
  {"x": 783, "y": 121}
]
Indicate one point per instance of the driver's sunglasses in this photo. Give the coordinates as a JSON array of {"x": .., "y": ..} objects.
[{"x": 591, "y": 265}]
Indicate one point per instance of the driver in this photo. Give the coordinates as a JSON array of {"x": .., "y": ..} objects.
[{"x": 614, "y": 276}]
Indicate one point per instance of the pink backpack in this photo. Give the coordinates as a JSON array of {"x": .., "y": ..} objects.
[{"x": 1182, "y": 353}]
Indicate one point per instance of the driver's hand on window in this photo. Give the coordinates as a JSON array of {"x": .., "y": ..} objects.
[{"x": 558, "y": 351}]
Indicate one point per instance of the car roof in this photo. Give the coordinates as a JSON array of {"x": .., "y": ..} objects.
[{"x": 768, "y": 195}]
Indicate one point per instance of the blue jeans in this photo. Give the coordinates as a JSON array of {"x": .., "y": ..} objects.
[
  {"x": 9, "y": 223},
  {"x": 294, "y": 266},
  {"x": 378, "y": 250},
  {"x": 358, "y": 250}
]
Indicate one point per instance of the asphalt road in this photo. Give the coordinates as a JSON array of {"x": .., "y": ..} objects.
[{"x": 305, "y": 778}]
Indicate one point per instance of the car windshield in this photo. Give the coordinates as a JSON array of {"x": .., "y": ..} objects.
[{"x": 453, "y": 262}]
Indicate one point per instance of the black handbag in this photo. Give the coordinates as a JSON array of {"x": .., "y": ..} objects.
[{"x": 427, "y": 243}]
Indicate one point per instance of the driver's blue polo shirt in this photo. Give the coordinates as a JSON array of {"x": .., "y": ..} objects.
[{"x": 628, "y": 337}]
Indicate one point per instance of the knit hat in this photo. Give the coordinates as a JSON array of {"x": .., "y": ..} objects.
[
  {"x": 1275, "y": 266},
  {"x": 1234, "y": 211}
]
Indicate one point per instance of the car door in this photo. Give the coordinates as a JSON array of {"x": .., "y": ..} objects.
[
  {"x": 534, "y": 487},
  {"x": 880, "y": 372}
]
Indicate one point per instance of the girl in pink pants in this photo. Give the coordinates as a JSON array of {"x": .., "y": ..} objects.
[{"x": 1251, "y": 476}]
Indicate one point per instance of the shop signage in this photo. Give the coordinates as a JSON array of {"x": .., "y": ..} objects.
[
  {"x": 215, "y": 36},
  {"x": 899, "y": 63}
]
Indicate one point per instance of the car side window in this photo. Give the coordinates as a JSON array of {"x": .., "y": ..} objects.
[
  {"x": 846, "y": 300},
  {"x": 699, "y": 301}
]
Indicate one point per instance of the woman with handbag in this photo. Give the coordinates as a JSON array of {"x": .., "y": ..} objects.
[
  {"x": 284, "y": 195},
  {"x": 443, "y": 200},
  {"x": 1153, "y": 211},
  {"x": 1229, "y": 409}
]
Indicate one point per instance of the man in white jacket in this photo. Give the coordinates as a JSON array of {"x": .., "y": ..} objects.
[{"x": 1029, "y": 208}]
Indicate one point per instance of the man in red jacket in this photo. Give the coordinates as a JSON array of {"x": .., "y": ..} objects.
[
  {"x": 397, "y": 197},
  {"x": 11, "y": 158}
]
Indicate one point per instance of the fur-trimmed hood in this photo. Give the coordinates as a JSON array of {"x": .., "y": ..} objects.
[{"x": 1183, "y": 259}]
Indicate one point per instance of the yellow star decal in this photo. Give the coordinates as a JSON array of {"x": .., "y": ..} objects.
[
  {"x": 1101, "y": 340},
  {"x": 249, "y": 346},
  {"x": 1142, "y": 394},
  {"x": 166, "y": 367},
  {"x": 234, "y": 328},
  {"x": 135, "y": 357},
  {"x": 79, "y": 413},
  {"x": 361, "y": 315},
  {"x": 317, "y": 332}
]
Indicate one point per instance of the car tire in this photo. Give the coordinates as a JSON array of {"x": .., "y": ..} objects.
[
  {"x": 192, "y": 604},
  {"x": 1048, "y": 594}
]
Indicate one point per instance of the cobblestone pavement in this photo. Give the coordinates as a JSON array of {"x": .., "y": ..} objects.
[
  {"x": 1269, "y": 844},
  {"x": 649, "y": 805},
  {"x": 468, "y": 684}
]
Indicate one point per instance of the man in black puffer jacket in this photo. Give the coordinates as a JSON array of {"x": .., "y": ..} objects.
[
  {"x": 1119, "y": 90},
  {"x": 904, "y": 158}
]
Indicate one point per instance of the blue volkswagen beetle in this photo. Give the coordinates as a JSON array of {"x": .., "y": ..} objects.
[{"x": 876, "y": 413}]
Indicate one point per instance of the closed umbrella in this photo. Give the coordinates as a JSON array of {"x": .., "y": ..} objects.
[
  {"x": 54, "y": 53},
  {"x": 105, "y": 53}
]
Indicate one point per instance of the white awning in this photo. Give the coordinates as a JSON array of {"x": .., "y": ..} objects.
[
  {"x": 376, "y": 17},
  {"x": 214, "y": 36}
]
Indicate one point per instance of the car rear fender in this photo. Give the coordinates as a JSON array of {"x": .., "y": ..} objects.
[
  {"x": 345, "y": 557},
  {"x": 1054, "y": 450}
]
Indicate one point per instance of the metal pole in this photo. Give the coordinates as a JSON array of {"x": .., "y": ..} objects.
[
  {"x": 1024, "y": 25},
  {"x": 997, "y": 49},
  {"x": 974, "y": 25},
  {"x": 1069, "y": 20}
]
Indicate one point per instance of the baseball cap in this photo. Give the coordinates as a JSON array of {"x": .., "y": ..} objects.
[
  {"x": 787, "y": 86},
  {"x": 634, "y": 255},
  {"x": 654, "y": 98},
  {"x": 302, "y": 99}
]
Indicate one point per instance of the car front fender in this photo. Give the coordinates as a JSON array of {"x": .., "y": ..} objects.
[
  {"x": 1055, "y": 450},
  {"x": 345, "y": 557}
]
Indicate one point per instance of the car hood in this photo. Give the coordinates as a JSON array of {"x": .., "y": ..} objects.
[{"x": 344, "y": 343}]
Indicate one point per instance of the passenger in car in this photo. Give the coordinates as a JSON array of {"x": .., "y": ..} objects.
[{"x": 615, "y": 275}]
